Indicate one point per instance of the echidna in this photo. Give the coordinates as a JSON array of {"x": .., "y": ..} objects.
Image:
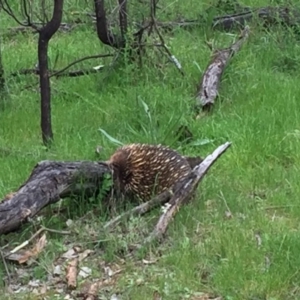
[{"x": 142, "y": 170}]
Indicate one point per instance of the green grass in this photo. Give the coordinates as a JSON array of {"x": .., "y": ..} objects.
[{"x": 257, "y": 179}]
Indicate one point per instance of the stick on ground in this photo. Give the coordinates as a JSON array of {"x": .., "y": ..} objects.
[
  {"x": 210, "y": 82},
  {"x": 140, "y": 209}
]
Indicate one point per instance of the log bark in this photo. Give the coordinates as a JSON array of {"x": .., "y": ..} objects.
[
  {"x": 49, "y": 182},
  {"x": 58, "y": 73},
  {"x": 210, "y": 82}
]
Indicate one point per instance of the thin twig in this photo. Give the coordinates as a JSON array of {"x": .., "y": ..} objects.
[
  {"x": 42, "y": 229},
  {"x": 140, "y": 209},
  {"x": 5, "y": 6},
  {"x": 80, "y": 60}
]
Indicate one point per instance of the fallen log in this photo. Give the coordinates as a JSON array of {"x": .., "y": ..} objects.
[
  {"x": 270, "y": 16},
  {"x": 49, "y": 182},
  {"x": 208, "y": 89},
  {"x": 183, "y": 193}
]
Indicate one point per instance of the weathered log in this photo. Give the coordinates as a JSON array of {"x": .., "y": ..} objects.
[
  {"x": 183, "y": 192},
  {"x": 49, "y": 182},
  {"x": 208, "y": 90}
]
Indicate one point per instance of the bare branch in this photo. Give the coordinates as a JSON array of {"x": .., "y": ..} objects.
[
  {"x": 6, "y": 7},
  {"x": 78, "y": 61},
  {"x": 208, "y": 89},
  {"x": 171, "y": 56},
  {"x": 141, "y": 209},
  {"x": 59, "y": 73}
]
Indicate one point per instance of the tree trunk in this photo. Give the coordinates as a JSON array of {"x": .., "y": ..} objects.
[
  {"x": 103, "y": 32},
  {"x": 45, "y": 34}
]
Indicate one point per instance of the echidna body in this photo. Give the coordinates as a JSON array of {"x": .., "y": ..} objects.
[{"x": 143, "y": 170}]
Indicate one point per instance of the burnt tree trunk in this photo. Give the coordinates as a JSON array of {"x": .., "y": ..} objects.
[
  {"x": 49, "y": 182},
  {"x": 103, "y": 32},
  {"x": 45, "y": 34}
]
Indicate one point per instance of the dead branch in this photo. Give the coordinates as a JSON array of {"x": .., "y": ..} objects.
[
  {"x": 24, "y": 244},
  {"x": 58, "y": 73},
  {"x": 269, "y": 15},
  {"x": 6, "y": 7},
  {"x": 153, "y": 24},
  {"x": 78, "y": 61},
  {"x": 64, "y": 27},
  {"x": 49, "y": 182},
  {"x": 140, "y": 209},
  {"x": 183, "y": 192},
  {"x": 208, "y": 90}
]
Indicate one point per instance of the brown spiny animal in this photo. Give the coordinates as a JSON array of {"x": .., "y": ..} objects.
[{"x": 142, "y": 170}]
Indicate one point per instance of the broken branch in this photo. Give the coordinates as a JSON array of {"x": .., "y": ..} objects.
[
  {"x": 210, "y": 82},
  {"x": 141, "y": 209},
  {"x": 184, "y": 191}
]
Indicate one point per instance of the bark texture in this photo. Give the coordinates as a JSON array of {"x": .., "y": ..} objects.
[
  {"x": 210, "y": 82},
  {"x": 48, "y": 183},
  {"x": 45, "y": 34}
]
